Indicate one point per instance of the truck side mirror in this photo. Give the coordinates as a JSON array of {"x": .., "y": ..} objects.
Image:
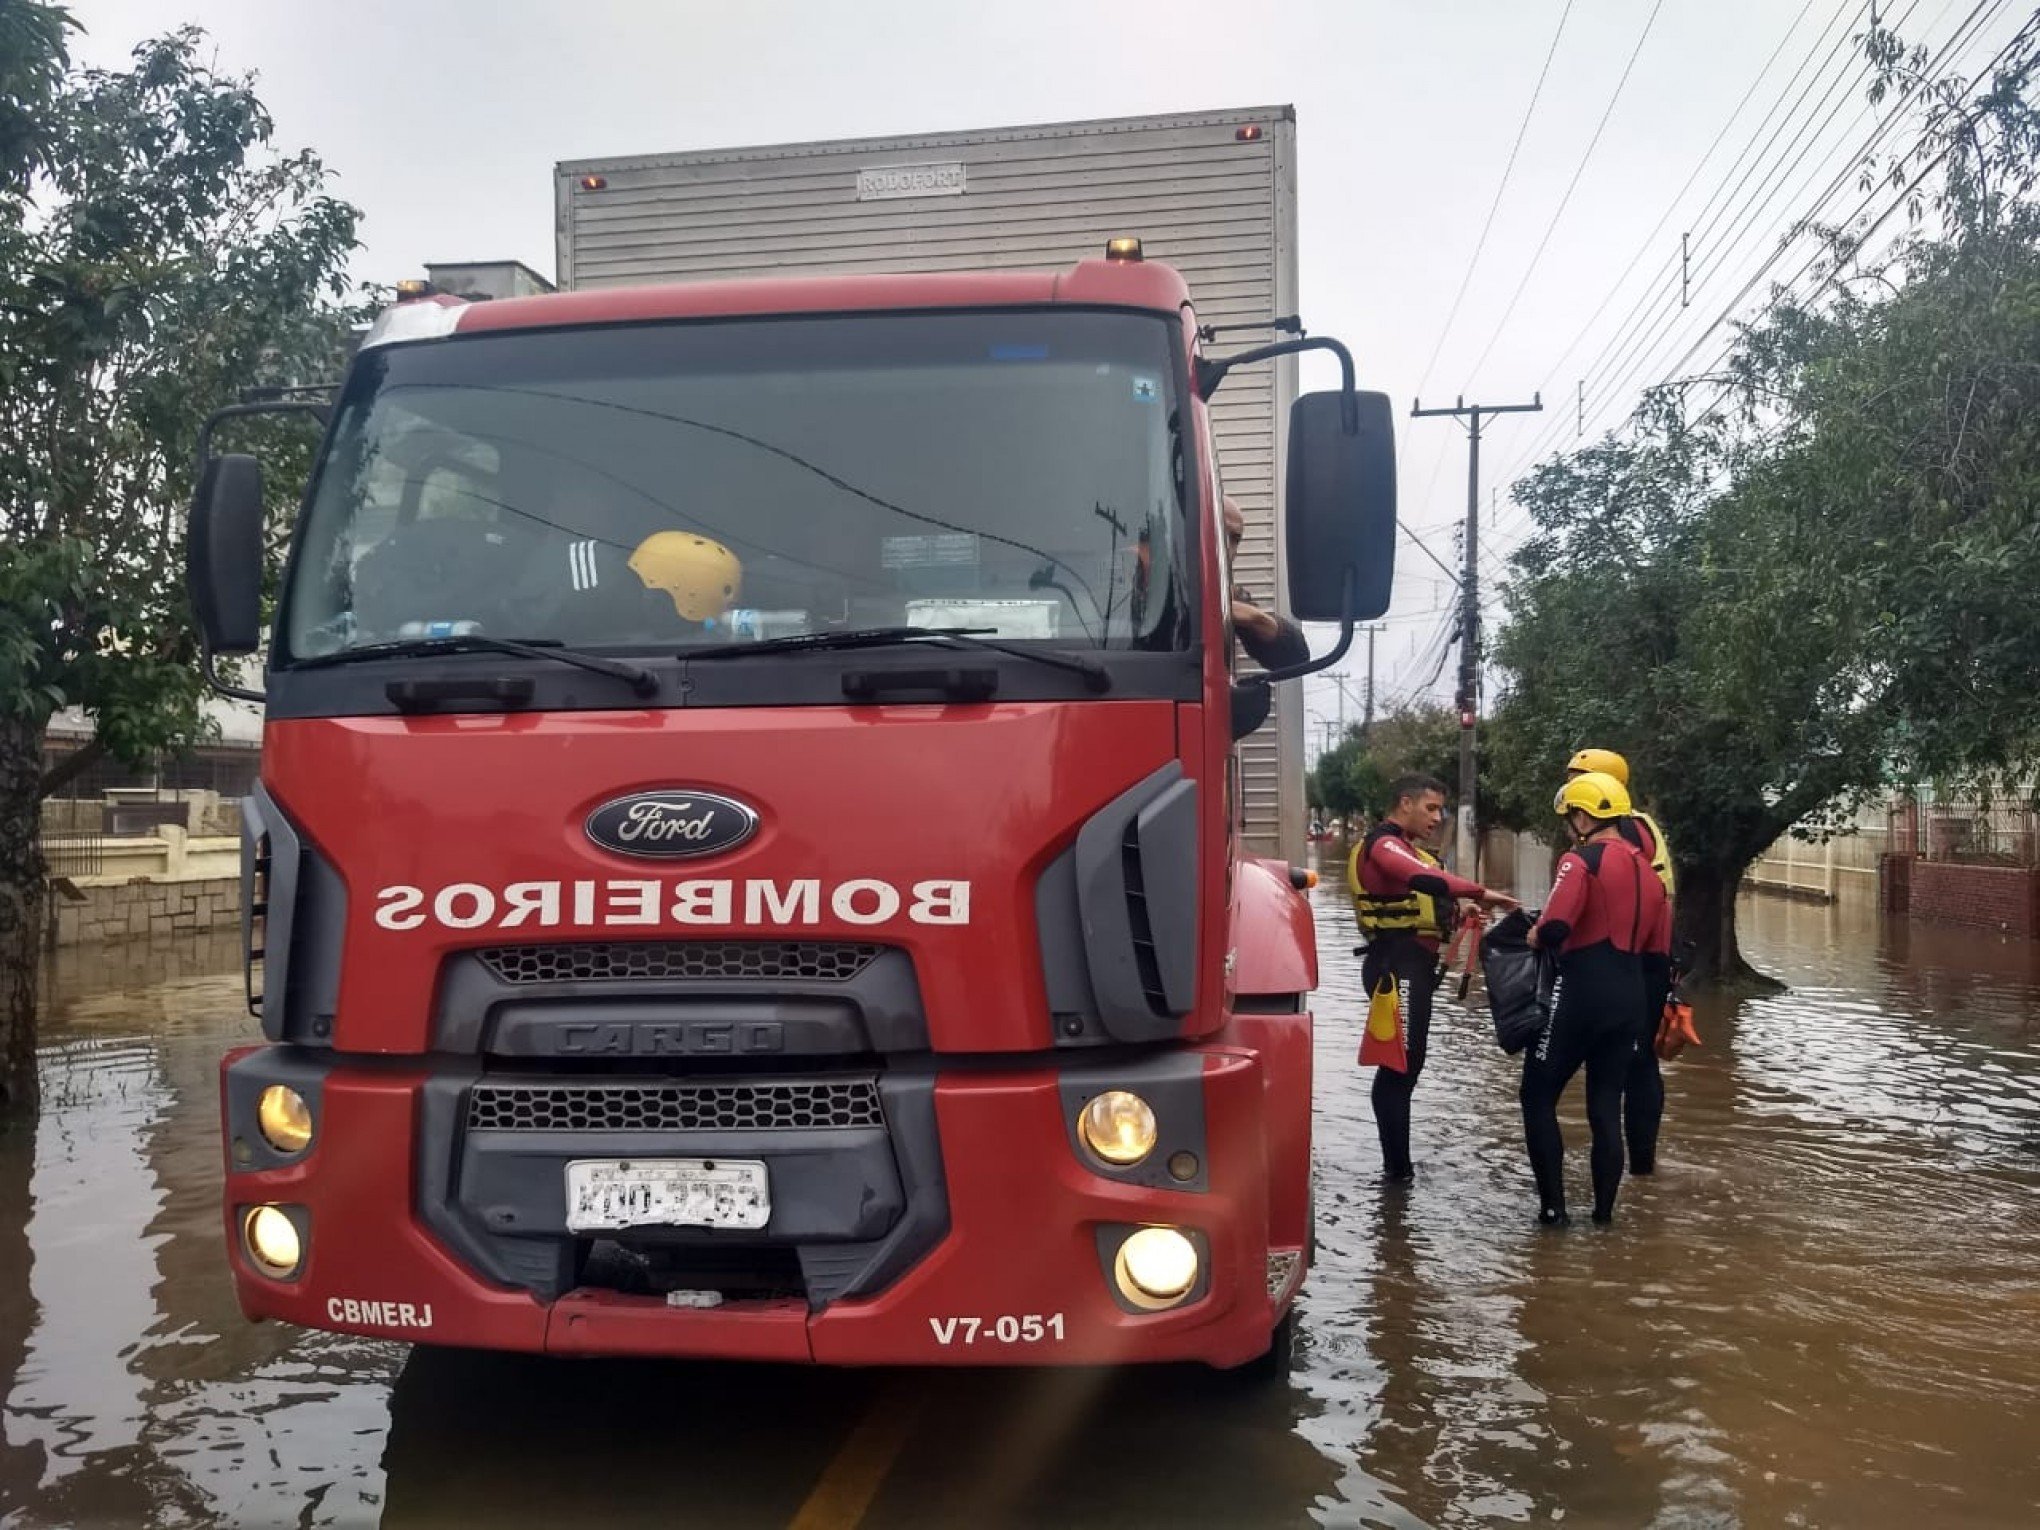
[
  {"x": 1340, "y": 505},
  {"x": 223, "y": 563}
]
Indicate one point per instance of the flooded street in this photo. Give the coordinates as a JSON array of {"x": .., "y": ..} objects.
[{"x": 1823, "y": 1310}]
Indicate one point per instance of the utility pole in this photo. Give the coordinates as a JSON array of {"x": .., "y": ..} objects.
[
  {"x": 1468, "y": 699},
  {"x": 1367, "y": 718},
  {"x": 1366, "y": 701}
]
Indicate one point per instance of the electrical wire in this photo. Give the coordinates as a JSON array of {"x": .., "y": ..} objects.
[
  {"x": 1501, "y": 186},
  {"x": 1480, "y": 244},
  {"x": 1573, "y": 185},
  {"x": 1939, "y": 68},
  {"x": 1630, "y": 266},
  {"x": 1904, "y": 196},
  {"x": 1652, "y": 306},
  {"x": 1861, "y": 157},
  {"x": 1636, "y": 361}
]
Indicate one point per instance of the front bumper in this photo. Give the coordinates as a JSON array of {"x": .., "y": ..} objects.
[{"x": 989, "y": 1241}]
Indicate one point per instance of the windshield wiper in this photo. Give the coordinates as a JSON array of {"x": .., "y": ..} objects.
[
  {"x": 845, "y": 637},
  {"x": 641, "y": 680},
  {"x": 1096, "y": 676}
]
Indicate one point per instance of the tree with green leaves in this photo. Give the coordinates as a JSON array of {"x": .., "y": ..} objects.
[
  {"x": 1421, "y": 738},
  {"x": 1818, "y": 586},
  {"x": 157, "y": 259}
]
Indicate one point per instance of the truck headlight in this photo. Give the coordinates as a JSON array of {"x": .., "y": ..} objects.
[
  {"x": 1119, "y": 1126},
  {"x": 284, "y": 1119},
  {"x": 272, "y": 1240},
  {"x": 1156, "y": 1267}
]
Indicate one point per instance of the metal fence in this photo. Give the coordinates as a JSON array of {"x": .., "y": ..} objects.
[
  {"x": 72, "y": 836},
  {"x": 1966, "y": 833},
  {"x": 108, "y": 800},
  {"x": 1979, "y": 835}
]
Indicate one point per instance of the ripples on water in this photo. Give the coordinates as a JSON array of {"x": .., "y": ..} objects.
[
  {"x": 1822, "y": 1308},
  {"x": 1823, "y": 1311}
]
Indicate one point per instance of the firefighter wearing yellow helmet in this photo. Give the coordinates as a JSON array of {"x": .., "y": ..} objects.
[
  {"x": 1641, "y": 830},
  {"x": 1605, "y": 921},
  {"x": 1643, "y": 1092},
  {"x": 697, "y": 573},
  {"x": 1596, "y": 793}
]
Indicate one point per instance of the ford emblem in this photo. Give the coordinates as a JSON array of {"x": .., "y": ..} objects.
[{"x": 672, "y": 824}]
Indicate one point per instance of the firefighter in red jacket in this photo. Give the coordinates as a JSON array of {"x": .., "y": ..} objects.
[
  {"x": 1606, "y": 913},
  {"x": 1404, "y": 902},
  {"x": 1643, "y": 1092}
]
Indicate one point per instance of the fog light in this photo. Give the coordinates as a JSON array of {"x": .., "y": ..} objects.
[
  {"x": 1156, "y": 1267},
  {"x": 1119, "y": 1127},
  {"x": 272, "y": 1239},
  {"x": 285, "y": 1119}
]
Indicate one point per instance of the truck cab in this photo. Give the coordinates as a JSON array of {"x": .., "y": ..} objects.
[{"x": 746, "y": 856}]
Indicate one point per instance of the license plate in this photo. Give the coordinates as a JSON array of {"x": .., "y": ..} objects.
[{"x": 608, "y": 1193}]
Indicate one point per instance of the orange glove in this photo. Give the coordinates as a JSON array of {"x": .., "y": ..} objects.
[{"x": 1675, "y": 1029}]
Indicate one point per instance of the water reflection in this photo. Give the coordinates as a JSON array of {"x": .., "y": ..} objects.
[
  {"x": 1801, "y": 1319},
  {"x": 513, "y": 1440},
  {"x": 1822, "y": 1310}
]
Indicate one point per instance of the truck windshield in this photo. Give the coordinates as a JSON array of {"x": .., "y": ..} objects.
[{"x": 655, "y": 486}]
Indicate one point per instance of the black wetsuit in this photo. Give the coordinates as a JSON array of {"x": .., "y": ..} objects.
[
  {"x": 1387, "y": 868},
  {"x": 1643, "y": 1090},
  {"x": 1606, "y": 908},
  {"x": 1414, "y": 966}
]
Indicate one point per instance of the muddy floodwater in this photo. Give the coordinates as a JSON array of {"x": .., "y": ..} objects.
[{"x": 1824, "y": 1310}]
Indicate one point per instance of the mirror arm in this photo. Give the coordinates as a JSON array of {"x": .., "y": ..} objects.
[
  {"x": 1211, "y": 373},
  {"x": 1323, "y": 661},
  {"x": 323, "y": 408},
  {"x": 212, "y": 677}
]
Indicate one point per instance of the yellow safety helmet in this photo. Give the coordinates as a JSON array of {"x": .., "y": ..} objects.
[
  {"x": 1606, "y": 761},
  {"x": 1595, "y": 793},
  {"x": 701, "y": 575}
]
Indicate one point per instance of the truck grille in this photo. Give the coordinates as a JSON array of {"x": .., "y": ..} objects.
[
  {"x": 794, "y": 1105},
  {"x": 616, "y": 960}
]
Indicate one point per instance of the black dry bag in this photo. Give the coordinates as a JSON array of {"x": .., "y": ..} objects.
[{"x": 1511, "y": 967}]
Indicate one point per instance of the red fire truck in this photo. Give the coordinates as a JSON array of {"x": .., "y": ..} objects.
[{"x": 745, "y": 862}]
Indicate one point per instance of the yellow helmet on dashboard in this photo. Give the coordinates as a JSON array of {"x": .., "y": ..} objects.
[
  {"x": 700, "y": 575},
  {"x": 1606, "y": 761},
  {"x": 1595, "y": 793}
]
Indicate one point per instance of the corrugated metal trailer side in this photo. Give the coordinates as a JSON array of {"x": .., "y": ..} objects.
[{"x": 1217, "y": 204}]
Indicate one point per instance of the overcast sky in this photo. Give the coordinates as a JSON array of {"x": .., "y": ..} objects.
[{"x": 443, "y": 122}]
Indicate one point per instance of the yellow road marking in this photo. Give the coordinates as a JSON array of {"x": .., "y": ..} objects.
[{"x": 843, "y": 1493}]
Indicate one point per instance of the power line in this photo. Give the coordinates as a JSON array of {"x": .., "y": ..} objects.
[
  {"x": 1941, "y": 66},
  {"x": 1480, "y": 244},
  {"x": 1486, "y": 228},
  {"x": 1679, "y": 367},
  {"x": 2032, "y": 27},
  {"x": 1422, "y": 547},
  {"x": 1571, "y": 186},
  {"x": 1654, "y": 295},
  {"x": 1440, "y": 646},
  {"x": 1635, "y": 360}
]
